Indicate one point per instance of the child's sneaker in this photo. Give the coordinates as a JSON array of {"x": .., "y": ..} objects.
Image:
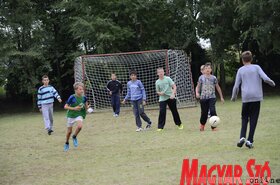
[
  {"x": 139, "y": 129},
  {"x": 202, "y": 127},
  {"x": 181, "y": 126},
  {"x": 249, "y": 144},
  {"x": 50, "y": 132},
  {"x": 214, "y": 128},
  {"x": 75, "y": 141},
  {"x": 66, "y": 147},
  {"x": 241, "y": 142},
  {"x": 149, "y": 125}
]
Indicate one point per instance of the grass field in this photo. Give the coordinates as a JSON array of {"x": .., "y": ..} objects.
[{"x": 112, "y": 153}]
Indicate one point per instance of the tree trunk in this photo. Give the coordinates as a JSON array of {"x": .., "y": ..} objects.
[{"x": 222, "y": 76}]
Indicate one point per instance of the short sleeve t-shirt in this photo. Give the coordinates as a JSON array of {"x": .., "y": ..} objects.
[
  {"x": 74, "y": 101},
  {"x": 207, "y": 86},
  {"x": 165, "y": 86}
]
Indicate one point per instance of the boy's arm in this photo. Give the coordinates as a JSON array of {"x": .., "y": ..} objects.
[
  {"x": 56, "y": 95},
  {"x": 68, "y": 107},
  {"x": 121, "y": 88},
  {"x": 142, "y": 90},
  {"x": 86, "y": 103},
  {"x": 220, "y": 92},
  {"x": 128, "y": 94},
  {"x": 108, "y": 87},
  {"x": 39, "y": 96},
  {"x": 197, "y": 89},
  {"x": 174, "y": 91},
  {"x": 265, "y": 78},
  {"x": 158, "y": 91},
  {"x": 69, "y": 102},
  {"x": 235, "y": 89}
]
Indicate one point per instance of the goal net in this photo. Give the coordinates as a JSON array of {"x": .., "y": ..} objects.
[{"x": 95, "y": 71}]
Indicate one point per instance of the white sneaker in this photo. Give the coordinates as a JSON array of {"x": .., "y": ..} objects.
[
  {"x": 116, "y": 115},
  {"x": 139, "y": 129}
]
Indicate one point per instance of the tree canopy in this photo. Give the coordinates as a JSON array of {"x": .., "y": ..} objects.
[{"x": 44, "y": 37}]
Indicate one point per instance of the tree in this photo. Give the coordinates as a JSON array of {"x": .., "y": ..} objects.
[{"x": 215, "y": 22}]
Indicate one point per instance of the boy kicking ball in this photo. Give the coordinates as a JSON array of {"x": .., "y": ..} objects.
[
  {"x": 205, "y": 90},
  {"x": 250, "y": 77},
  {"x": 76, "y": 106}
]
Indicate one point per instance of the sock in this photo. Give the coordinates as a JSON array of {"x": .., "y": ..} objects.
[
  {"x": 67, "y": 143},
  {"x": 74, "y": 136}
]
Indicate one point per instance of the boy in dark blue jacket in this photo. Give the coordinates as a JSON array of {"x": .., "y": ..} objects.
[{"x": 115, "y": 88}]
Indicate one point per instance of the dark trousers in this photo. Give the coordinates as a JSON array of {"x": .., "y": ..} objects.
[
  {"x": 115, "y": 101},
  {"x": 162, "y": 112},
  {"x": 207, "y": 105},
  {"x": 138, "y": 110},
  {"x": 250, "y": 111}
]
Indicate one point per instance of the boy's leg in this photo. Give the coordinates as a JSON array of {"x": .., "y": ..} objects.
[
  {"x": 68, "y": 134},
  {"x": 204, "y": 105},
  {"x": 254, "y": 115},
  {"x": 173, "y": 108},
  {"x": 79, "y": 128},
  {"x": 245, "y": 118},
  {"x": 212, "y": 106},
  {"x": 113, "y": 103},
  {"x": 118, "y": 104},
  {"x": 51, "y": 115},
  {"x": 45, "y": 113},
  {"x": 162, "y": 114},
  {"x": 142, "y": 112},
  {"x": 136, "y": 113}
]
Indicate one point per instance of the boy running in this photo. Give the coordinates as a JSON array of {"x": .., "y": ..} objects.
[
  {"x": 206, "y": 92},
  {"x": 166, "y": 89},
  {"x": 250, "y": 77},
  {"x": 137, "y": 96},
  {"x": 45, "y": 96},
  {"x": 76, "y": 107},
  {"x": 115, "y": 89}
]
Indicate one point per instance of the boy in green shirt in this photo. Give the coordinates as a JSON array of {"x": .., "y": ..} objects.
[
  {"x": 76, "y": 106},
  {"x": 166, "y": 89}
]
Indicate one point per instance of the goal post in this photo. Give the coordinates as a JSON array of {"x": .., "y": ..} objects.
[{"x": 95, "y": 70}]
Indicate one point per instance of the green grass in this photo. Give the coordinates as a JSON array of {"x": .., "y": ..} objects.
[{"x": 112, "y": 153}]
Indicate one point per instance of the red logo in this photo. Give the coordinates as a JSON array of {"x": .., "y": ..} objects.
[{"x": 224, "y": 174}]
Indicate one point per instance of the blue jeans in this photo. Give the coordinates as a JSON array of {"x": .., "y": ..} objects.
[
  {"x": 115, "y": 101},
  {"x": 138, "y": 110}
]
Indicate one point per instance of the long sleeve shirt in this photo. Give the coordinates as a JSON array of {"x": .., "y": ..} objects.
[
  {"x": 114, "y": 86},
  {"x": 46, "y": 94},
  {"x": 250, "y": 77},
  {"x": 135, "y": 91}
]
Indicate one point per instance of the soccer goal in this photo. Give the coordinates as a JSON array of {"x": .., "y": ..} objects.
[{"x": 95, "y": 70}]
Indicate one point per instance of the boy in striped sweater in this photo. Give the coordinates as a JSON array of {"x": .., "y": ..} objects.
[{"x": 46, "y": 95}]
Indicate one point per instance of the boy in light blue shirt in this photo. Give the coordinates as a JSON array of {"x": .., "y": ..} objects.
[
  {"x": 137, "y": 96},
  {"x": 45, "y": 96}
]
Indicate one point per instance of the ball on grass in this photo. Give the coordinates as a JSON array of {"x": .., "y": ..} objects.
[{"x": 214, "y": 121}]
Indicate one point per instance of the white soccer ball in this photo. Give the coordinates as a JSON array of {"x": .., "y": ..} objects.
[
  {"x": 90, "y": 110},
  {"x": 214, "y": 121}
]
